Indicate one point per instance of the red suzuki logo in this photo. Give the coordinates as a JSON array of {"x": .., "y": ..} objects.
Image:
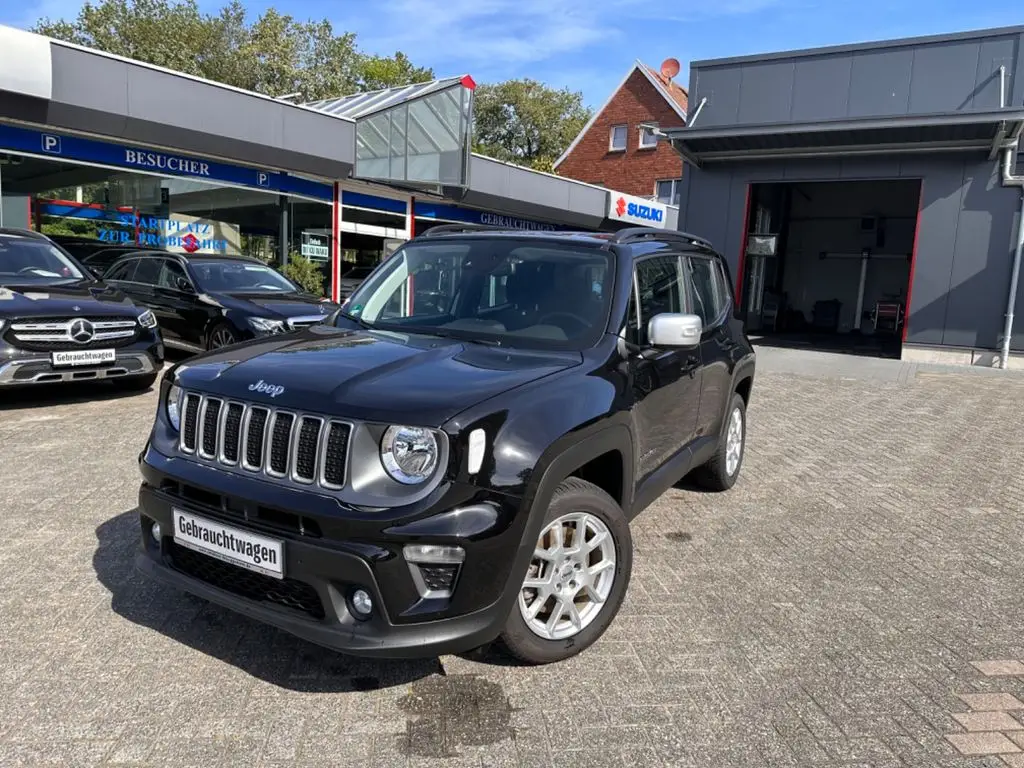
[
  {"x": 190, "y": 243},
  {"x": 620, "y": 206}
]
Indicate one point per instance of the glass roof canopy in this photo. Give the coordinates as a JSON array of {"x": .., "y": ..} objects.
[{"x": 417, "y": 135}]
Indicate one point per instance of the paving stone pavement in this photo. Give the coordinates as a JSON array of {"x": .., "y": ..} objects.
[{"x": 856, "y": 600}]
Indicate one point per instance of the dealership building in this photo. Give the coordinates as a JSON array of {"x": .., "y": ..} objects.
[
  {"x": 868, "y": 197},
  {"x": 104, "y": 147}
]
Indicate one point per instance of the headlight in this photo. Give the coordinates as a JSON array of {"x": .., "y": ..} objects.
[
  {"x": 174, "y": 406},
  {"x": 147, "y": 319},
  {"x": 266, "y": 325},
  {"x": 409, "y": 454}
]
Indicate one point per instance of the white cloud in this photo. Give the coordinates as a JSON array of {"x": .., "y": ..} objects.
[
  {"x": 482, "y": 33},
  {"x": 497, "y": 38}
]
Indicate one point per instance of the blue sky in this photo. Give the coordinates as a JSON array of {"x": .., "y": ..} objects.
[{"x": 588, "y": 45}]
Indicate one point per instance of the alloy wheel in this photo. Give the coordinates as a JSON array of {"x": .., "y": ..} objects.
[
  {"x": 222, "y": 337},
  {"x": 734, "y": 442},
  {"x": 570, "y": 576}
]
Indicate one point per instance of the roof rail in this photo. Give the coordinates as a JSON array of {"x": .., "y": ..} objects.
[
  {"x": 445, "y": 229},
  {"x": 630, "y": 234},
  {"x": 23, "y": 232}
]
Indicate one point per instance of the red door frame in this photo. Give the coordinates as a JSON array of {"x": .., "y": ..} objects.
[
  {"x": 913, "y": 260},
  {"x": 336, "y": 242},
  {"x": 741, "y": 262}
]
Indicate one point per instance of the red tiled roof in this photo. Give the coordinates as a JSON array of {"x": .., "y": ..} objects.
[{"x": 677, "y": 92}]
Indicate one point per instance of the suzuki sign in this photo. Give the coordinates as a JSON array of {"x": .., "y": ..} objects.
[{"x": 636, "y": 210}]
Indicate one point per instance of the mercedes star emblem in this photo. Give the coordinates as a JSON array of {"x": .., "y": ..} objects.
[{"x": 81, "y": 331}]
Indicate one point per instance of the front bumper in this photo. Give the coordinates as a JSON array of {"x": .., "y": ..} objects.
[
  {"x": 322, "y": 570},
  {"x": 22, "y": 368}
]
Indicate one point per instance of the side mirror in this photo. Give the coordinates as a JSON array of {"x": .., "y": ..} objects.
[
  {"x": 183, "y": 285},
  {"x": 675, "y": 330}
]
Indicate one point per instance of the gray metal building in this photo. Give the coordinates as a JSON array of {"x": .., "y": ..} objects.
[{"x": 868, "y": 196}]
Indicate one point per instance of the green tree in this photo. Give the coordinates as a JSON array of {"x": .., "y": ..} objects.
[
  {"x": 526, "y": 122},
  {"x": 274, "y": 55},
  {"x": 376, "y": 72}
]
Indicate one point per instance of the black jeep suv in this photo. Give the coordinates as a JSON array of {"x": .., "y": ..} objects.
[
  {"x": 59, "y": 323},
  {"x": 424, "y": 476}
]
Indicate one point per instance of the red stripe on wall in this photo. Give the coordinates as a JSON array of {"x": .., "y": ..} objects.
[
  {"x": 741, "y": 263},
  {"x": 336, "y": 242},
  {"x": 913, "y": 261}
]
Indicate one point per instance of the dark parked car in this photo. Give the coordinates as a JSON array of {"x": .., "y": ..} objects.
[
  {"x": 96, "y": 255},
  {"x": 59, "y": 323},
  {"x": 409, "y": 481},
  {"x": 205, "y": 302}
]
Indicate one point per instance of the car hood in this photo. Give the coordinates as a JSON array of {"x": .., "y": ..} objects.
[
  {"x": 80, "y": 299},
  {"x": 273, "y": 305},
  {"x": 369, "y": 375}
]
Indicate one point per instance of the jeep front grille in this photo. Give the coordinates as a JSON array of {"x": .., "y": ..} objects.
[{"x": 279, "y": 443}]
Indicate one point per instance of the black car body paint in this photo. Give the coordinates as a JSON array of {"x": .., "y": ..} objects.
[
  {"x": 623, "y": 414},
  {"x": 55, "y": 316}
]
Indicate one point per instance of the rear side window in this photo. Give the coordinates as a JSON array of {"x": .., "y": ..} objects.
[
  {"x": 707, "y": 289},
  {"x": 123, "y": 272},
  {"x": 148, "y": 271}
]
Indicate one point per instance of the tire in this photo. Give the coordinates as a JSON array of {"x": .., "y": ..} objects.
[
  {"x": 219, "y": 333},
  {"x": 715, "y": 475},
  {"x": 136, "y": 383},
  {"x": 602, "y": 516}
]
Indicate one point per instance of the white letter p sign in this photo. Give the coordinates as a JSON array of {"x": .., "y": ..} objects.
[
  {"x": 51, "y": 144},
  {"x": 263, "y": 178}
]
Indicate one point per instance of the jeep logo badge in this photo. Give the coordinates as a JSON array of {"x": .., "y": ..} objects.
[{"x": 269, "y": 389}]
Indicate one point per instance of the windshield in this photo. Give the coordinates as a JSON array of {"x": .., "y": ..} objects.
[
  {"x": 516, "y": 293},
  {"x": 223, "y": 276},
  {"x": 25, "y": 261}
]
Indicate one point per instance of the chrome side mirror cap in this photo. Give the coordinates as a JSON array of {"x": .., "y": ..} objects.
[{"x": 675, "y": 330}]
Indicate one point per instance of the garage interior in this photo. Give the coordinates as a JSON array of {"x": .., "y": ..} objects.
[{"x": 827, "y": 265}]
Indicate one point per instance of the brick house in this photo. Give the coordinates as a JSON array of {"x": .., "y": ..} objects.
[{"x": 614, "y": 151}]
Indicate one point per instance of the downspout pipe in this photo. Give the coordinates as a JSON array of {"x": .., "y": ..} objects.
[{"x": 1009, "y": 180}]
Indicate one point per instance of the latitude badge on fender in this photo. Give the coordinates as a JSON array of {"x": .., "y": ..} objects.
[{"x": 81, "y": 331}]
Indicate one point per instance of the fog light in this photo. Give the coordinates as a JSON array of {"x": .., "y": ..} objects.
[
  {"x": 155, "y": 532},
  {"x": 361, "y": 603},
  {"x": 441, "y": 554}
]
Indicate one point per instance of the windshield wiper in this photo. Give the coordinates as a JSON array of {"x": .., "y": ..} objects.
[
  {"x": 449, "y": 335},
  {"x": 355, "y": 319}
]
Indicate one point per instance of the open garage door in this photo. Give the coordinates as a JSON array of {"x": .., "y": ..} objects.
[{"x": 827, "y": 265}]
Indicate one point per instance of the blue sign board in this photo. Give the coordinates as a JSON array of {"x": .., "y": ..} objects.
[
  {"x": 430, "y": 210},
  {"x": 374, "y": 203},
  {"x": 63, "y": 147}
]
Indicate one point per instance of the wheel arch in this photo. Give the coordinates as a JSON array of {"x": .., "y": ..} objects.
[{"x": 571, "y": 454}]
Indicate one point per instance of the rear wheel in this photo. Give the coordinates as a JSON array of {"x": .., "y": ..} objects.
[
  {"x": 577, "y": 577},
  {"x": 721, "y": 472}
]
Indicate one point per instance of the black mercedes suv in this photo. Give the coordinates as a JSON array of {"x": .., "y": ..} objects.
[
  {"x": 205, "y": 301},
  {"x": 420, "y": 476},
  {"x": 58, "y": 323}
]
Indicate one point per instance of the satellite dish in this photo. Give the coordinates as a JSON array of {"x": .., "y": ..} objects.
[{"x": 670, "y": 68}]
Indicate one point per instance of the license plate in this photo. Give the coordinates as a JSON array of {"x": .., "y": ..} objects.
[
  {"x": 83, "y": 357},
  {"x": 231, "y": 545}
]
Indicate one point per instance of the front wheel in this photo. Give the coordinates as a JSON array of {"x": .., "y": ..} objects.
[
  {"x": 222, "y": 335},
  {"x": 577, "y": 577}
]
